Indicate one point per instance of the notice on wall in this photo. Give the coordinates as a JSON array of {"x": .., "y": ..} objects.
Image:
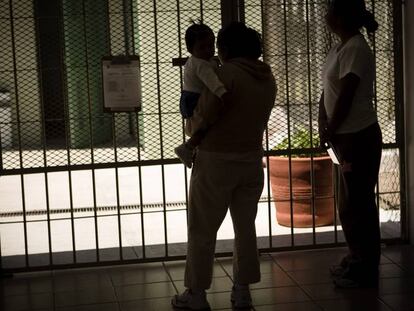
[{"x": 121, "y": 83}]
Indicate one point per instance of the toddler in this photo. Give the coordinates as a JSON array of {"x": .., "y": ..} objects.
[{"x": 199, "y": 73}]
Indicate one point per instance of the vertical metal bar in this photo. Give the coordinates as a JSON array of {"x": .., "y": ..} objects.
[
  {"x": 85, "y": 38},
  {"x": 72, "y": 220},
  {"x": 269, "y": 196},
  {"x": 399, "y": 111},
  {"x": 335, "y": 172},
  {"x": 232, "y": 10},
  {"x": 269, "y": 193},
  {"x": 1, "y": 153},
  {"x": 288, "y": 119},
  {"x": 335, "y": 169},
  {"x": 139, "y": 160},
  {"x": 228, "y": 11},
  {"x": 374, "y": 48},
  {"x": 49, "y": 234},
  {"x": 22, "y": 184},
  {"x": 201, "y": 11},
  {"x": 141, "y": 201},
  {"x": 19, "y": 134},
  {"x": 43, "y": 116},
  {"x": 375, "y": 57},
  {"x": 127, "y": 24},
  {"x": 180, "y": 54},
  {"x": 312, "y": 173},
  {"x": 67, "y": 131},
  {"x": 241, "y": 11},
  {"x": 164, "y": 205},
  {"x": 160, "y": 124},
  {"x": 113, "y": 119},
  {"x": 1, "y": 257},
  {"x": 118, "y": 204}
]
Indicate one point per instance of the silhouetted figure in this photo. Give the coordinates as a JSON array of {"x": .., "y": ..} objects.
[
  {"x": 227, "y": 170},
  {"x": 348, "y": 120}
]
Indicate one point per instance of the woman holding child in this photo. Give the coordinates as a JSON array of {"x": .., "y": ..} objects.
[{"x": 227, "y": 170}]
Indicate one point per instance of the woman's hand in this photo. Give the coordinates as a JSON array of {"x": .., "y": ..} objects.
[{"x": 325, "y": 135}]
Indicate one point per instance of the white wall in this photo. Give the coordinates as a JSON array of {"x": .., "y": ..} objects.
[{"x": 409, "y": 104}]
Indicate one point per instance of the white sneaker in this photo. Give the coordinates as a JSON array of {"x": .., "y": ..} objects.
[
  {"x": 191, "y": 301},
  {"x": 240, "y": 297},
  {"x": 185, "y": 154}
]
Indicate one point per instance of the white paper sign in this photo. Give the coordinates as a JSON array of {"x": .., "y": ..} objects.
[{"x": 121, "y": 85}]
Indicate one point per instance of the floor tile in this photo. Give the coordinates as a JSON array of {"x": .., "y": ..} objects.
[
  {"x": 288, "y": 282},
  {"x": 160, "y": 304},
  {"x": 28, "y": 302},
  {"x": 329, "y": 291},
  {"x": 277, "y": 278},
  {"x": 70, "y": 281},
  {"x": 278, "y": 295},
  {"x": 267, "y": 264},
  {"x": 354, "y": 304},
  {"x": 391, "y": 271},
  {"x": 219, "y": 284},
  {"x": 396, "y": 286},
  {"x": 219, "y": 300},
  {"x": 85, "y": 296},
  {"x": 19, "y": 285},
  {"x": 314, "y": 276},
  {"x": 176, "y": 270},
  {"x": 138, "y": 274},
  {"x": 297, "y": 306},
  {"x": 399, "y": 302},
  {"x": 408, "y": 268},
  {"x": 320, "y": 259},
  {"x": 400, "y": 253},
  {"x": 311, "y": 260},
  {"x": 385, "y": 260},
  {"x": 95, "y": 307},
  {"x": 145, "y": 291},
  {"x": 320, "y": 276}
]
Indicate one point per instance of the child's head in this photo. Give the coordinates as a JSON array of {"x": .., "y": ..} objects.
[{"x": 199, "y": 39}]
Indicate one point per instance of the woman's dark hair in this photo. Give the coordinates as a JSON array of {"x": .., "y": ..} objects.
[
  {"x": 354, "y": 14},
  {"x": 196, "y": 32},
  {"x": 239, "y": 41}
]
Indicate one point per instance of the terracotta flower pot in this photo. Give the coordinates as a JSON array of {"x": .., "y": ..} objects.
[{"x": 302, "y": 191}]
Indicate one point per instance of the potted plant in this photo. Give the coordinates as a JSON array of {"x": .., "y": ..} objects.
[{"x": 296, "y": 189}]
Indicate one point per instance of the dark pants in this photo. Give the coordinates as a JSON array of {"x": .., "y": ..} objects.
[
  {"x": 360, "y": 155},
  {"x": 188, "y": 102}
]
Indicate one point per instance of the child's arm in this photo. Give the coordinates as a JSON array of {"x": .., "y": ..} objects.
[
  {"x": 205, "y": 114},
  {"x": 208, "y": 76}
]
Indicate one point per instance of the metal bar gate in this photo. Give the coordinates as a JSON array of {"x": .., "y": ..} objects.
[{"x": 82, "y": 187}]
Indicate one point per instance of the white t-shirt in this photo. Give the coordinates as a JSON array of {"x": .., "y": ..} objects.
[
  {"x": 199, "y": 73},
  {"x": 356, "y": 57}
]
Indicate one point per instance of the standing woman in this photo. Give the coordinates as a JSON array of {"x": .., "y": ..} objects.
[
  {"x": 227, "y": 172},
  {"x": 348, "y": 120}
]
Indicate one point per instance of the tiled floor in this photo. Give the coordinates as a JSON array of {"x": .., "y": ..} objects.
[{"x": 291, "y": 281}]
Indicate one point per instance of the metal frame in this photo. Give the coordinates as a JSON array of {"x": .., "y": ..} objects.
[
  {"x": 231, "y": 10},
  {"x": 399, "y": 98}
]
